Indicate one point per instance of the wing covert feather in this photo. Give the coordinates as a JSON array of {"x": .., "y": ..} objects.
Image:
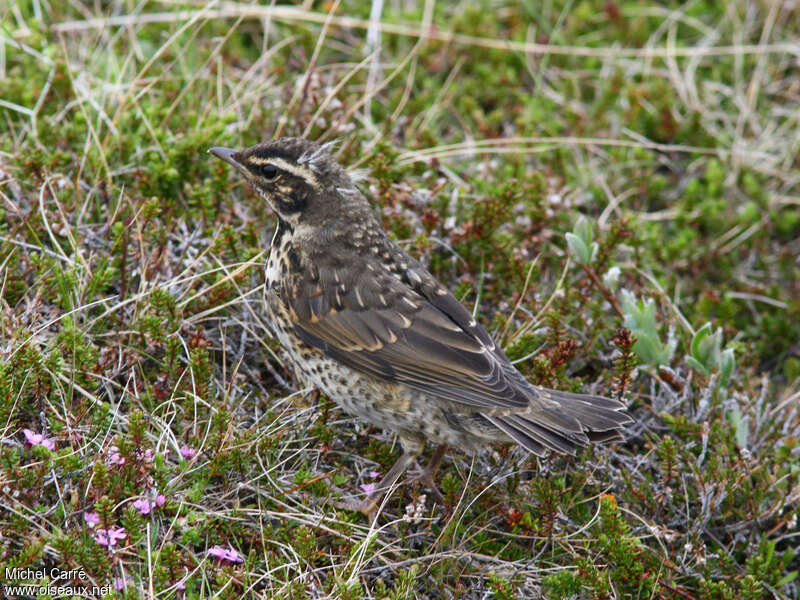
[{"x": 419, "y": 335}]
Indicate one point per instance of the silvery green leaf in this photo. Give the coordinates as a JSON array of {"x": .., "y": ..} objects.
[
  {"x": 697, "y": 365},
  {"x": 611, "y": 278},
  {"x": 668, "y": 351},
  {"x": 743, "y": 432},
  {"x": 633, "y": 313},
  {"x": 649, "y": 317},
  {"x": 583, "y": 230},
  {"x": 647, "y": 349},
  {"x": 628, "y": 300},
  {"x": 728, "y": 365},
  {"x": 640, "y": 318},
  {"x": 699, "y": 336},
  {"x": 580, "y": 251},
  {"x": 740, "y": 424}
]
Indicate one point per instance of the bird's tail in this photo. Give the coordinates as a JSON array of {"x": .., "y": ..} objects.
[{"x": 562, "y": 421}]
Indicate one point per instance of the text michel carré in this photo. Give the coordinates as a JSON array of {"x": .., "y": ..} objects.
[{"x": 54, "y": 574}]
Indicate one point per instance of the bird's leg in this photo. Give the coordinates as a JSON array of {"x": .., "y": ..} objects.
[
  {"x": 428, "y": 475},
  {"x": 369, "y": 505},
  {"x": 436, "y": 460}
]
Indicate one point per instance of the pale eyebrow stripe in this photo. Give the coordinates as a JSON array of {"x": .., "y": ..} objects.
[{"x": 284, "y": 165}]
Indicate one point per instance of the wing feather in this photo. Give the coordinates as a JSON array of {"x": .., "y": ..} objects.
[{"x": 421, "y": 337}]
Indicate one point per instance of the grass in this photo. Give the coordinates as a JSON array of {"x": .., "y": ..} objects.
[{"x": 612, "y": 186}]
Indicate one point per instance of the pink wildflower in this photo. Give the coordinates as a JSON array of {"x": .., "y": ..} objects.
[
  {"x": 187, "y": 452},
  {"x": 218, "y": 552},
  {"x": 145, "y": 455},
  {"x": 225, "y": 554},
  {"x": 120, "y": 583},
  {"x": 38, "y": 439},
  {"x": 234, "y": 557},
  {"x": 91, "y": 518},
  {"x": 110, "y": 537},
  {"x": 142, "y": 505},
  {"x": 114, "y": 457},
  {"x": 374, "y": 474},
  {"x": 368, "y": 487},
  {"x": 145, "y": 505}
]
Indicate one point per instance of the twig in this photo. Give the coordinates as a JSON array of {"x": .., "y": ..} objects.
[
  {"x": 676, "y": 590},
  {"x": 606, "y": 292}
]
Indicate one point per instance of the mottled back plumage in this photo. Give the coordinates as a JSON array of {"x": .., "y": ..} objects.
[{"x": 370, "y": 326}]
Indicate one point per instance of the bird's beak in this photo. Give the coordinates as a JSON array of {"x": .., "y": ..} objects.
[{"x": 226, "y": 154}]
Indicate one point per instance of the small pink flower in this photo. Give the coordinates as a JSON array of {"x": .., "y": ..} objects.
[
  {"x": 145, "y": 455},
  {"x": 234, "y": 556},
  {"x": 374, "y": 474},
  {"x": 145, "y": 505},
  {"x": 187, "y": 452},
  {"x": 120, "y": 583},
  {"x": 368, "y": 487},
  {"x": 114, "y": 457},
  {"x": 180, "y": 585},
  {"x": 225, "y": 554},
  {"x": 110, "y": 537},
  {"x": 142, "y": 505},
  {"x": 38, "y": 439},
  {"x": 91, "y": 518}
]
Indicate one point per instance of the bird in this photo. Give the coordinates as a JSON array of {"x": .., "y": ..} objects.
[{"x": 368, "y": 325}]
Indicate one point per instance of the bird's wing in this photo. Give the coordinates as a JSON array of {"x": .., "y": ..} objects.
[{"x": 400, "y": 325}]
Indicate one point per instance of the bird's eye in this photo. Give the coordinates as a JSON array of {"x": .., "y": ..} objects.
[{"x": 269, "y": 172}]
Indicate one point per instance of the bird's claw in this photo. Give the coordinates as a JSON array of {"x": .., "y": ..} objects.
[{"x": 368, "y": 507}]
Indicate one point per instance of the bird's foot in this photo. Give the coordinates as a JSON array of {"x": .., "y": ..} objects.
[
  {"x": 427, "y": 478},
  {"x": 427, "y": 475},
  {"x": 367, "y": 507}
]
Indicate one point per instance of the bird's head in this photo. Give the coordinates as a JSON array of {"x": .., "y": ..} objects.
[{"x": 299, "y": 178}]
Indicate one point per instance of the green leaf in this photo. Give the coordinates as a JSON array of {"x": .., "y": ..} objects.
[
  {"x": 583, "y": 230},
  {"x": 740, "y": 424},
  {"x": 647, "y": 349},
  {"x": 640, "y": 318},
  {"x": 707, "y": 356},
  {"x": 697, "y": 365},
  {"x": 580, "y": 242},
  {"x": 699, "y": 336},
  {"x": 709, "y": 349},
  {"x": 578, "y": 249},
  {"x": 728, "y": 365},
  {"x": 611, "y": 278}
]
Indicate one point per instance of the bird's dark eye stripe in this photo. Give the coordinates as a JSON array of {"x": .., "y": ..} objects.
[{"x": 269, "y": 171}]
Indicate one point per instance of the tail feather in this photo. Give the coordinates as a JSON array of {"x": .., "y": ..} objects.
[
  {"x": 593, "y": 419},
  {"x": 533, "y": 437},
  {"x": 612, "y": 435},
  {"x": 523, "y": 438},
  {"x": 565, "y": 422},
  {"x": 558, "y": 419}
]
